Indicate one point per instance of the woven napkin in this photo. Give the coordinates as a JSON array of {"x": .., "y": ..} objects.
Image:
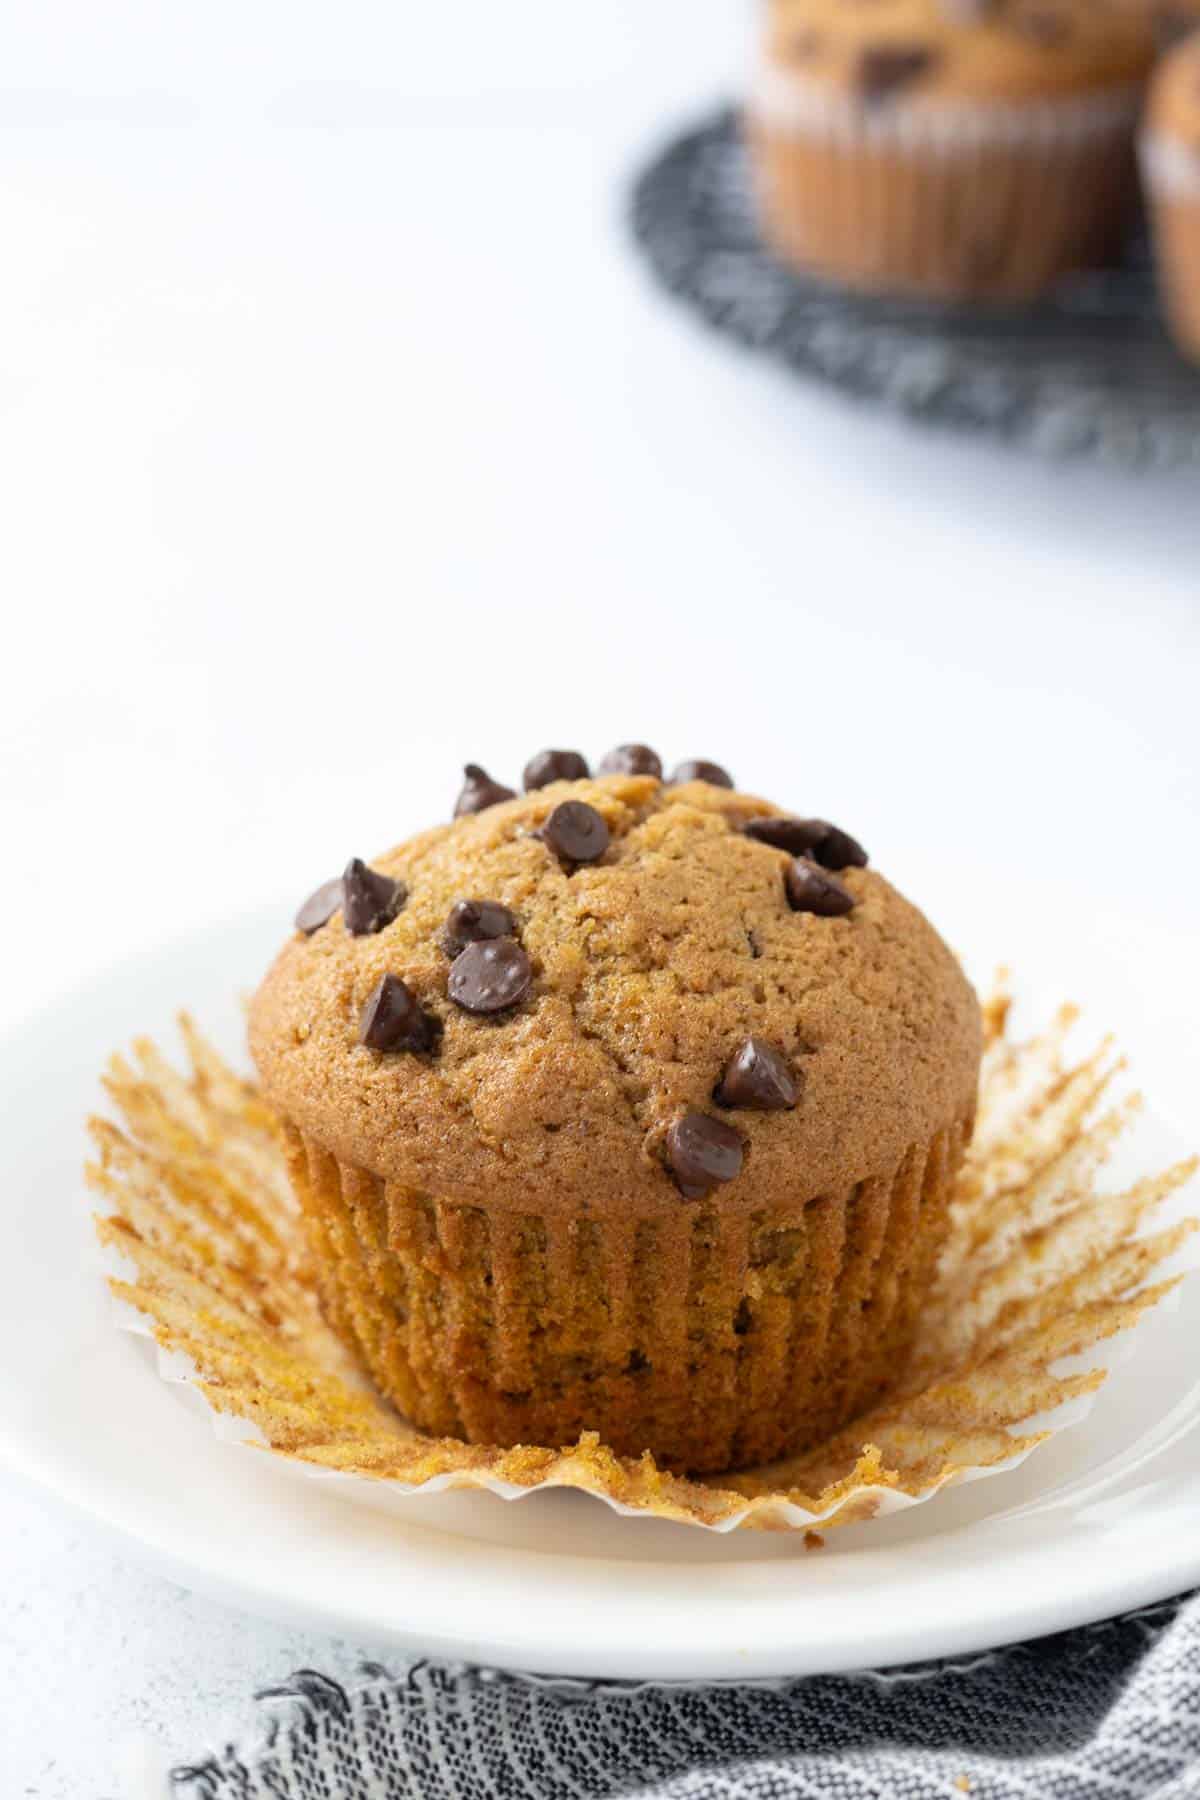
[{"x": 1111, "y": 1712}]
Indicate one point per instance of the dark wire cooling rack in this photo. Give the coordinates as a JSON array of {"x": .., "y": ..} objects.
[{"x": 1089, "y": 371}]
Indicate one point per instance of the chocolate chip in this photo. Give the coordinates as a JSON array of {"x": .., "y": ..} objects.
[
  {"x": 554, "y": 765},
  {"x": 885, "y": 68},
  {"x": 393, "y": 1019},
  {"x": 811, "y": 890},
  {"x": 758, "y": 1076},
  {"x": 805, "y": 44},
  {"x": 369, "y": 900},
  {"x": 479, "y": 791},
  {"x": 837, "y": 849},
  {"x": 576, "y": 832},
  {"x": 968, "y": 12},
  {"x": 1049, "y": 29},
  {"x": 474, "y": 922},
  {"x": 703, "y": 1152},
  {"x": 711, "y": 772},
  {"x": 817, "y": 838},
  {"x": 632, "y": 759},
  {"x": 488, "y": 977},
  {"x": 320, "y": 907},
  {"x": 1172, "y": 24}
]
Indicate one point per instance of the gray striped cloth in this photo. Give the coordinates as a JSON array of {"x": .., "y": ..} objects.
[{"x": 1111, "y": 1711}]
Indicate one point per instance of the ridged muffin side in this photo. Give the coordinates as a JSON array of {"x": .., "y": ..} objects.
[{"x": 718, "y": 1340}]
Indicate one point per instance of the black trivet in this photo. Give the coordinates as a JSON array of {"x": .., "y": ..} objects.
[{"x": 1088, "y": 371}]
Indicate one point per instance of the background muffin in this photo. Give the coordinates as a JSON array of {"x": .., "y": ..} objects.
[
  {"x": 956, "y": 148},
  {"x": 1171, "y": 173},
  {"x": 608, "y": 1109}
]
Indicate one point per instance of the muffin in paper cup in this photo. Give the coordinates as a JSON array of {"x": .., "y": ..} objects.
[
  {"x": 1170, "y": 157},
  {"x": 623, "y": 1107},
  {"x": 957, "y": 149},
  {"x": 1045, "y": 1276}
]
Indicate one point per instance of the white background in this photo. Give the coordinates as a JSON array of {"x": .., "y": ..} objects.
[{"x": 342, "y": 438}]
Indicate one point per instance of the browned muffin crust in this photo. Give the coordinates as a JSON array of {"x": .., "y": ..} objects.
[
  {"x": 989, "y": 50},
  {"x": 650, "y": 969}
]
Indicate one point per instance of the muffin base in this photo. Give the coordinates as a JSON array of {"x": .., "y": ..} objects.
[
  {"x": 712, "y": 1338},
  {"x": 949, "y": 203}
]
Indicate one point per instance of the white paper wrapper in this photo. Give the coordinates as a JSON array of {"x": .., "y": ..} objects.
[
  {"x": 785, "y": 101},
  {"x": 1170, "y": 168},
  {"x": 1043, "y": 1284}
]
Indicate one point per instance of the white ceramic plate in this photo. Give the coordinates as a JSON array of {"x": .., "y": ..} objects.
[{"x": 1106, "y": 1517}]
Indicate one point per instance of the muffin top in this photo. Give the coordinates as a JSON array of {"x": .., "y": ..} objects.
[
  {"x": 618, "y": 995},
  {"x": 1174, "y": 109},
  {"x": 947, "y": 50}
]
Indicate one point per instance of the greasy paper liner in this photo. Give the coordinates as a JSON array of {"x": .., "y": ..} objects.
[
  {"x": 1041, "y": 1270},
  {"x": 953, "y": 201},
  {"x": 720, "y": 1338}
]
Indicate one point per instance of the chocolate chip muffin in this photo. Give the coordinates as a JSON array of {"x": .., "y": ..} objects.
[
  {"x": 629, "y": 1105},
  {"x": 962, "y": 149},
  {"x": 1170, "y": 151}
]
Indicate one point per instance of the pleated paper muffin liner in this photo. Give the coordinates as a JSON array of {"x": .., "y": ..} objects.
[
  {"x": 957, "y": 200},
  {"x": 723, "y": 1337},
  {"x": 1043, "y": 1276}
]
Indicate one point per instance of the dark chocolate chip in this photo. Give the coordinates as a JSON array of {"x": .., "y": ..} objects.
[
  {"x": 474, "y": 922},
  {"x": 811, "y": 890},
  {"x": 838, "y": 850},
  {"x": 479, "y": 791},
  {"x": 393, "y": 1019},
  {"x": 320, "y": 907},
  {"x": 699, "y": 770},
  {"x": 883, "y": 69},
  {"x": 968, "y": 12},
  {"x": 703, "y": 1152},
  {"x": 825, "y": 843},
  {"x": 488, "y": 977},
  {"x": 1049, "y": 29},
  {"x": 632, "y": 759},
  {"x": 369, "y": 900},
  {"x": 576, "y": 832},
  {"x": 554, "y": 765},
  {"x": 1172, "y": 24},
  {"x": 758, "y": 1076}
]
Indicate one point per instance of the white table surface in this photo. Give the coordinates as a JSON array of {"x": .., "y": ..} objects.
[{"x": 343, "y": 438}]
